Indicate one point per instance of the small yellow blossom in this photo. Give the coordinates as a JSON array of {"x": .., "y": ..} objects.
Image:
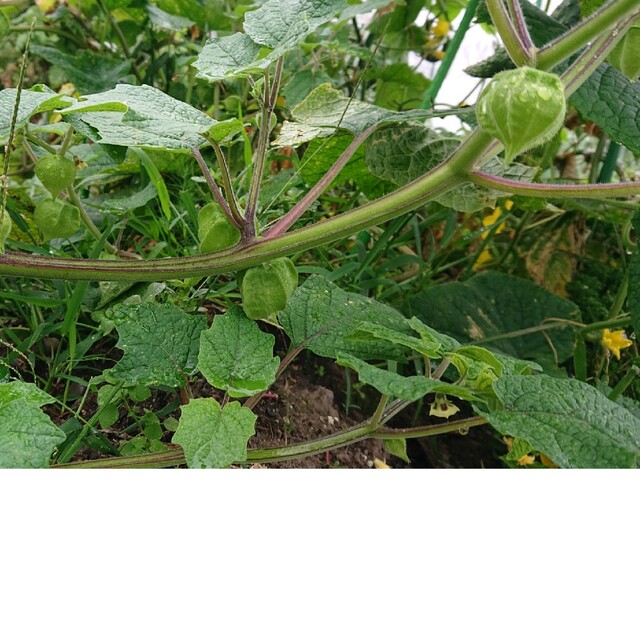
[
  {"x": 490, "y": 220},
  {"x": 438, "y": 54},
  {"x": 508, "y": 441},
  {"x": 440, "y": 28},
  {"x": 526, "y": 460},
  {"x": 484, "y": 257},
  {"x": 614, "y": 341},
  {"x": 508, "y": 205},
  {"x": 442, "y": 407},
  {"x": 548, "y": 462},
  {"x": 378, "y": 464}
]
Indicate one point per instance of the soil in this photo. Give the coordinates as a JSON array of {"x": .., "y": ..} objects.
[{"x": 307, "y": 402}]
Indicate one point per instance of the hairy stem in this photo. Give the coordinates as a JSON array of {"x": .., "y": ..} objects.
[
  {"x": 594, "y": 191},
  {"x": 268, "y": 105},
  {"x": 226, "y": 179},
  {"x": 602, "y": 21},
  {"x": 408, "y": 198},
  {"x": 518, "y": 50},
  {"x": 213, "y": 187},
  {"x": 288, "y": 220}
]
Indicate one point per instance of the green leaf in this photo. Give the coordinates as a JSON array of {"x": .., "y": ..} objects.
[
  {"x": 38, "y": 99},
  {"x": 160, "y": 344},
  {"x": 236, "y": 356},
  {"x": 492, "y": 304},
  {"x": 612, "y": 102},
  {"x": 214, "y": 437},
  {"x": 397, "y": 447},
  {"x": 403, "y": 153},
  {"x": 233, "y": 56},
  {"x": 282, "y": 24},
  {"x": 410, "y": 388},
  {"x": 123, "y": 202},
  {"x": 322, "y": 316},
  {"x": 634, "y": 282},
  {"x": 90, "y": 72},
  {"x": 28, "y": 437},
  {"x": 322, "y": 153},
  {"x": 427, "y": 345},
  {"x": 326, "y": 109},
  {"x": 567, "y": 420},
  {"x": 141, "y": 116}
]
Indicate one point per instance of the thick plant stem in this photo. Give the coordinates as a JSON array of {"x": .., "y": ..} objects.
[
  {"x": 597, "y": 23},
  {"x": 215, "y": 191},
  {"x": 174, "y": 456},
  {"x": 408, "y": 198},
  {"x": 534, "y": 189},
  {"x": 226, "y": 179},
  {"x": 269, "y": 103},
  {"x": 518, "y": 50}
]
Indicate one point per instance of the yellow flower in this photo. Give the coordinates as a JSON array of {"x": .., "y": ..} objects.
[
  {"x": 440, "y": 28},
  {"x": 442, "y": 407},
  {"x": 378, "y": 464},
  {"x": 526, "y": 460},
  {"x": 484, "y": 257},
  {"x": 548, "y": 462},
  {"x": 490, "y": 220},
  {"x": 508, "y": 205},
  {"x": 614, "y": 341}
]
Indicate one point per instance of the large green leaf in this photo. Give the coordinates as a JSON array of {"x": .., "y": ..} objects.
[
  {"x": 410, "y": 388},
  {"x": 492, "y": 304},
  {"x": 233, "y": 56},
  {"x": 160, "y": 344},
  {"x": 567, "y": 420},
  {"x": 38, "y": 99},
  {"x": 323, "y": 317},
  {"x": 326, "y": 109},
  {"x": 90, "y": 72},
  {"x": 28, "y": 437},
  {"x": 404, "y": 153},
  {"x": 282, "y": 24},
  {"x": 278, "y": 24},
  {"x": 142, "y": 116},
  {"x": 236, "y": 356},
  {"x": 214, "y": 436}
]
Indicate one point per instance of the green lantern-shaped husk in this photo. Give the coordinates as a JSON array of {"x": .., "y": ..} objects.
[
  {"x": 266, "y": 289},
  {"x": 56, "y": 219},
  {"x": 215, "y": 230},
  {"x": 56, "y": 173},
  {"x": 523, "y": 108}
]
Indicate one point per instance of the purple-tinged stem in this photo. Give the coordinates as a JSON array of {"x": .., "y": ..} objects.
[
  {"x": 289, "y": 219},
  {"x": 593, "y": 191},
  {"x": 521, "y": 26},
  {"x": 270, "y": 97},
  {"x": 217, "y": 194}
]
